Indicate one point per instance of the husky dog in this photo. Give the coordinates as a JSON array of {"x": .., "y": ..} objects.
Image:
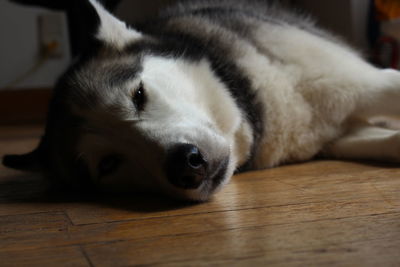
[{"x": 209, "y": 88}]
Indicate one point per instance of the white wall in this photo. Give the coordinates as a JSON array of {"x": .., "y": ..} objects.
[{"x": 19, "y": 47}]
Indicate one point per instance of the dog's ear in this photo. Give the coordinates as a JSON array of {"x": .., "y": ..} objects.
[
  {"x": 106, "y": 28},
  {"x": 33, "y": 161}
]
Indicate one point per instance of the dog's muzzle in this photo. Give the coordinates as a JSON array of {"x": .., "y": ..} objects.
[{"x": 187, "y": 168}]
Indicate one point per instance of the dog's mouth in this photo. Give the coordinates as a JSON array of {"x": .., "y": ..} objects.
[
  {"x": 209, "y": 178},
  {"x": 218, "y": 175},
  {"x": 187, "y": 168}
]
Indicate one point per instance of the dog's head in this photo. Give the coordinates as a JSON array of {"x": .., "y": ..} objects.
[{"x": 133, "y": 115}]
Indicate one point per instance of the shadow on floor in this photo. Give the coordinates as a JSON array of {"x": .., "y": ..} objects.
[{"x": 28, "y": 188}]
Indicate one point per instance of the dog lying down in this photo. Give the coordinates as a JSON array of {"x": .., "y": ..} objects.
[{"x": 208, "y": 89}]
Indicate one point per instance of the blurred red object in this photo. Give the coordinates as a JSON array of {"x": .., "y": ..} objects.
[{"x": 387, "y": 9}]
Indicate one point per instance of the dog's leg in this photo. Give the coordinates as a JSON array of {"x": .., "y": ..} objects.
[
  {"x": 365, "y": 141},
  {"x": 382, "y": 97},
  {"x": 379, "y": 95}
]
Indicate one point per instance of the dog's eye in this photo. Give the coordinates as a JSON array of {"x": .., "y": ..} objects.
[
  {"x": 139, "y": 98},
  {"x": 108, "y": 165}
]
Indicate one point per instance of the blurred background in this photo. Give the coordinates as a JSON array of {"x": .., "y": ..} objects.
[{"x": 41, "y": 37}]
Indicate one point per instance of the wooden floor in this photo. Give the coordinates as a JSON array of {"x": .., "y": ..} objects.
[{"x": 320, "y": 213}]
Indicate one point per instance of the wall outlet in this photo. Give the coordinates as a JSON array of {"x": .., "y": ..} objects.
[{"x": 51, "y": 34}]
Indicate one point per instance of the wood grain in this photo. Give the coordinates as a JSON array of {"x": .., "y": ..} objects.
[
  {"x": 60, "y": 256},
  {"x": 318, "y": 213}
]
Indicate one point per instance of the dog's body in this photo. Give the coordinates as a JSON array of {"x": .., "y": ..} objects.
[{"x": 212, "y": 87}]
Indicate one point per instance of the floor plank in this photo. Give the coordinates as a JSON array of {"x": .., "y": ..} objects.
[
  {"x": 284, "y": 244},
  {"x": 61, "y": 256},
  {"x": 316, "y": 213}
]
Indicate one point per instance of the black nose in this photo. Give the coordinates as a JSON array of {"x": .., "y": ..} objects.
[{"x": 185, "y": 166}]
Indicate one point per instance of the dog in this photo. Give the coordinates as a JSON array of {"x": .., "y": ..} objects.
[{"x": 209, "y": 88}]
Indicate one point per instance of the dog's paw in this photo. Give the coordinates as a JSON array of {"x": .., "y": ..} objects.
[
  {"x": 393, "y": 147},
  {"x": 386, "y": 122}
]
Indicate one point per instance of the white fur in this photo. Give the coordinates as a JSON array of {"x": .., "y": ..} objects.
[
  {"x": 310, "y": 90},
  {"x": 112, "y": 30}
]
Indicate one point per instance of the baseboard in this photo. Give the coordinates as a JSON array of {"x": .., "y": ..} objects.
[{"x": 28, "y": 106}]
